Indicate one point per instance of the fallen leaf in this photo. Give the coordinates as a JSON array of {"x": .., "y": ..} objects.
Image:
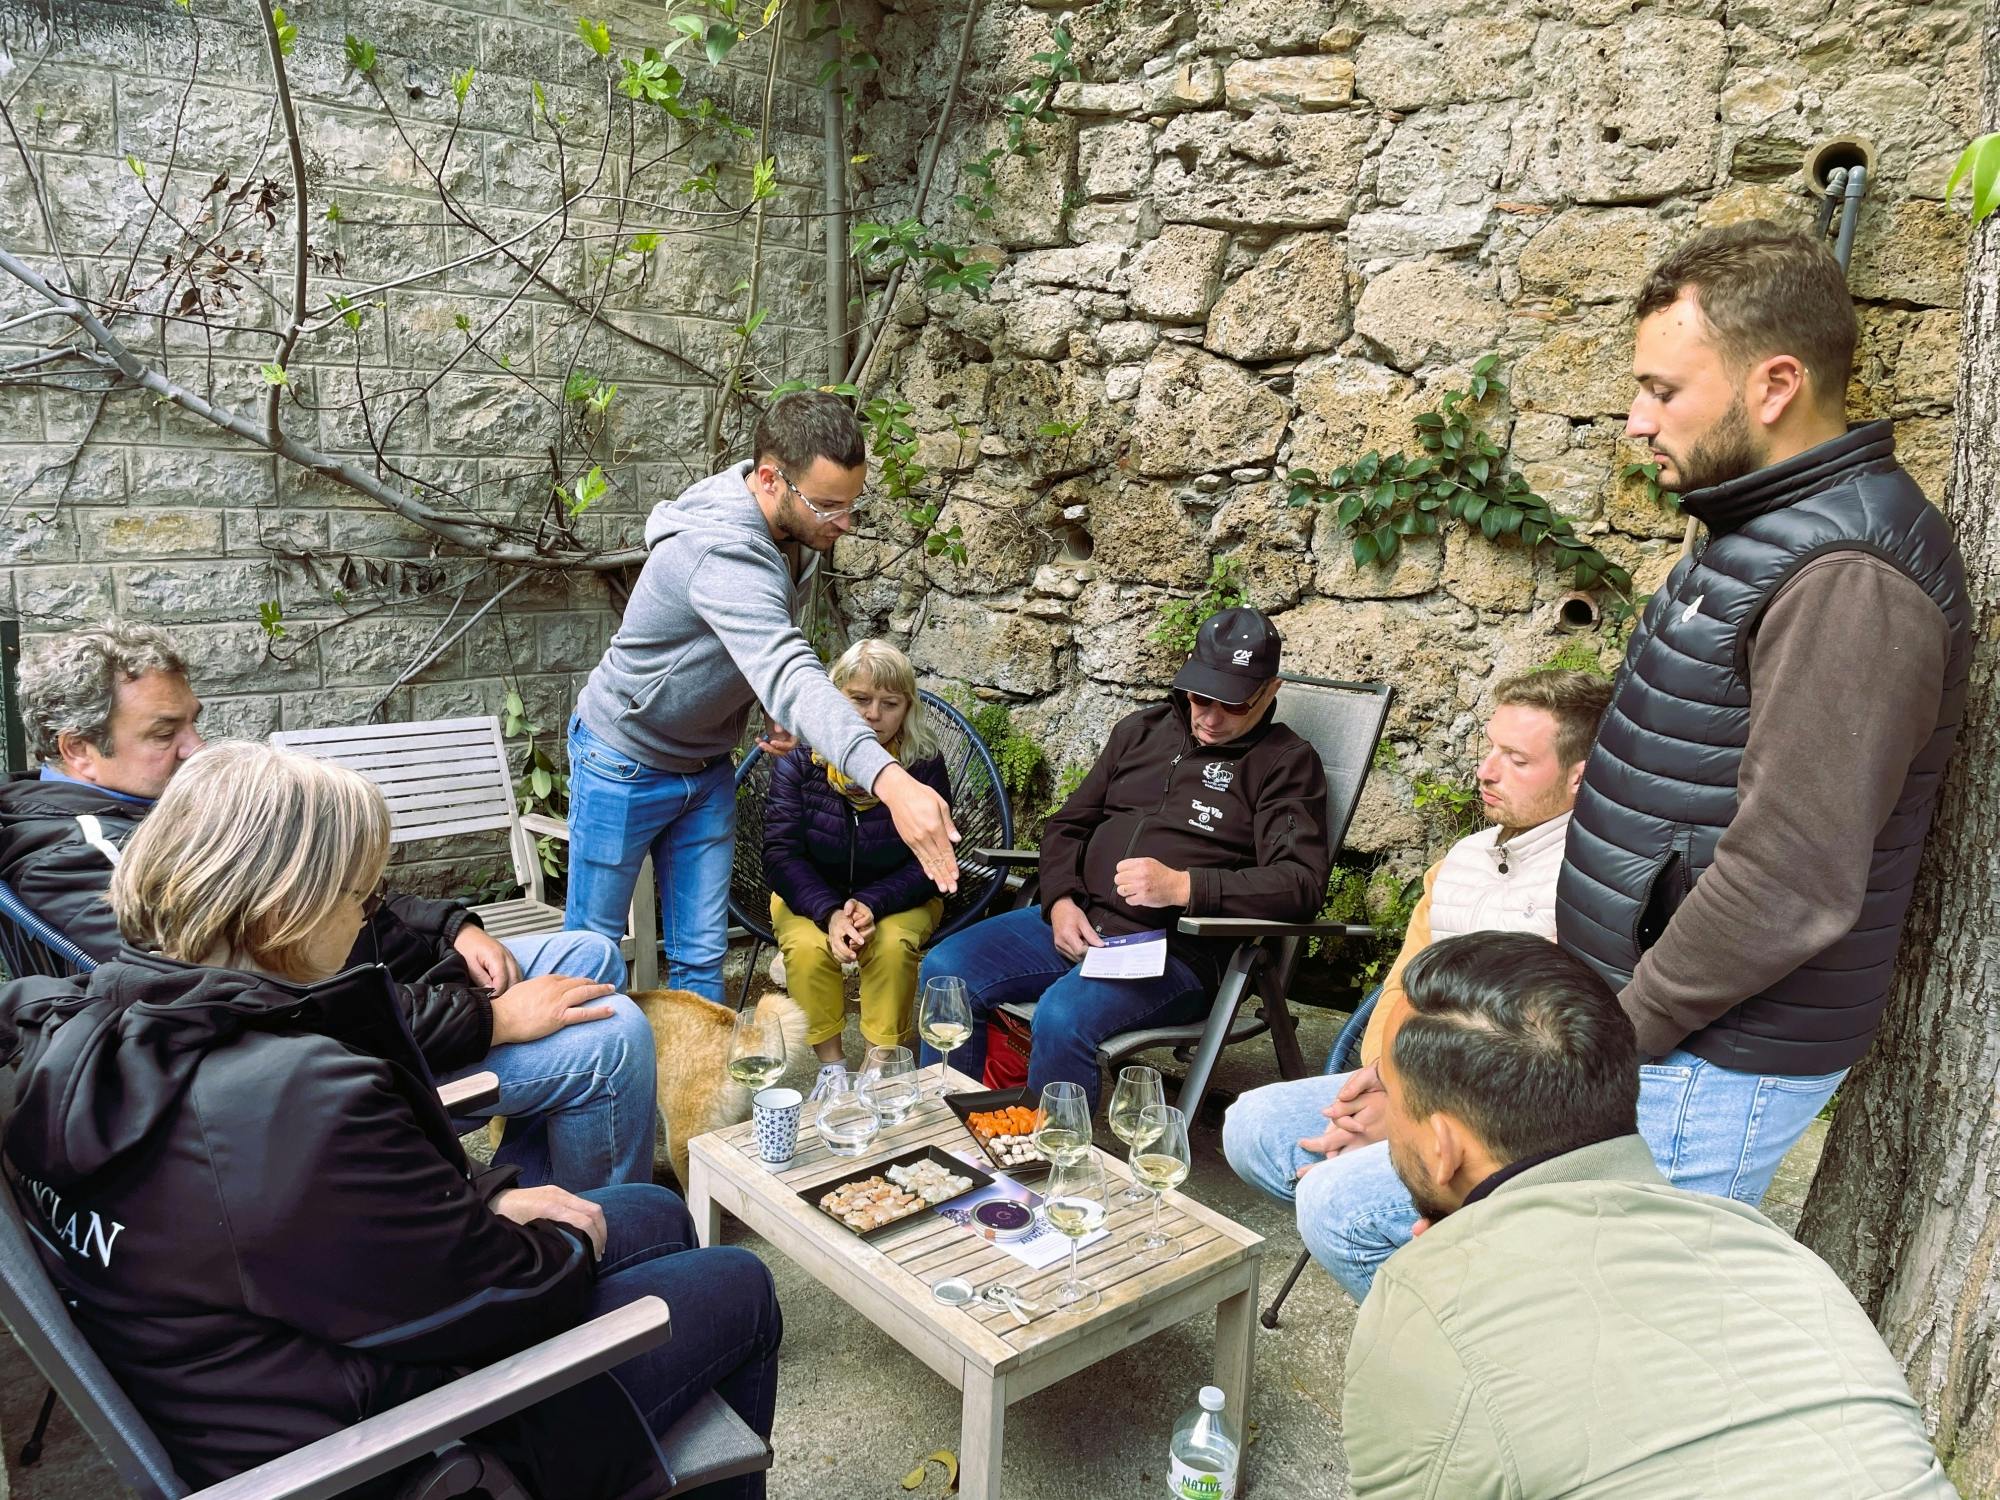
[{"x": 944, "y": 1457}]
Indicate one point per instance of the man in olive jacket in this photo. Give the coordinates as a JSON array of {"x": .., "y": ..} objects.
[{"x": 1567, "y": 1324}]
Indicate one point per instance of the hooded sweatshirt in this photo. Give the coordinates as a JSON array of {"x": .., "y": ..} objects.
[
  {"x": 256, "y": 1206},
  {"x": 710, "y": 629}
]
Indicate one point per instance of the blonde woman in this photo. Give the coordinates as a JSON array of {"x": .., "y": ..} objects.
[
  {"x": 845, "y": 887},
  {"x": 234, "y": 1162}
]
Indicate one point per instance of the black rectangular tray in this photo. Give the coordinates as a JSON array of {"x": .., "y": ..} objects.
[
  {"x": 963, "y": 1105},
  {"x": 861, "y": 1170}
]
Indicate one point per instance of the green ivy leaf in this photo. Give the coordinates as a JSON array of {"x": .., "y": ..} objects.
[
  {"x": 596, "y": 34},
  {"x": 360, "y": 55},
  {"x": 1978, "y": 166},
  {"x": 271, "y": 617},
  {"x": 1365, "y": 551},
  {"x": 718, "y": 41}
]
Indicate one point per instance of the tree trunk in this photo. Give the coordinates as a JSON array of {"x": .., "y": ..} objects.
[{"x": 1906, "y": 1206}]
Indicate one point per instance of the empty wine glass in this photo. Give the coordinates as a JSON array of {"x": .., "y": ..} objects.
[
  {"x": 945, "y": 1020},
  {"x": 1062, "y": 1126},
  {"x": 889, "y": 1082},
  {"x": 1159, "y": 1164},
  {"x": 1137, "y": 1088},
  {"x": 756, "y": 1049},
  {"x": 1073, "y": 1204}
]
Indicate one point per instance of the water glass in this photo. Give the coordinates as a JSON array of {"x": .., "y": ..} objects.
[
  {"x": 889, "y": 1082},
  {"x": 848, "y": 1124}
]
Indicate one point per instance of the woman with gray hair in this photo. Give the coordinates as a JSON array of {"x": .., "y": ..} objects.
[{"x": 234, "y": 1162}]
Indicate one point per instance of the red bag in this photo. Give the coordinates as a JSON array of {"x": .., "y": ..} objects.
[{"x": 1007, "y": 1043}]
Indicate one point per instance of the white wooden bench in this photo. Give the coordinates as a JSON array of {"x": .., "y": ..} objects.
[{"x": 443, "y": 777}]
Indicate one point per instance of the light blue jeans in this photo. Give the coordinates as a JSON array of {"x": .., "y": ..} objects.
[
  {"x": 1712, "y": 1130},
  {"x": 619, "y": 811},
  {"x": 579, "y": 1102}
]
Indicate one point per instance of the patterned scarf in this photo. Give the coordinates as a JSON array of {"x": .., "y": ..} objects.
[{"x": 856, "y": 794}]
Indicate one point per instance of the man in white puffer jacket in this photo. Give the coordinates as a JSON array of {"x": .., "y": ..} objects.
[{"x": 1319, "y": 1142}]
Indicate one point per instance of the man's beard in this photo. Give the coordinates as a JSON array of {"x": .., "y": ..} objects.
[
  {"x": 1414, "y": 1182},
  {"x": 1727, "y": 451},
  {"x": 1520, "y": 818}
]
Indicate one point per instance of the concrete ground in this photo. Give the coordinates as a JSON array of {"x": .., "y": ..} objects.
[{"x": 855, "y": 1413}]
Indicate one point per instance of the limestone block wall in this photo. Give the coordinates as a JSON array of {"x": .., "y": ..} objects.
[
  {"x": 1267, "y": 233},
  {"x": 143, "y": 511}
]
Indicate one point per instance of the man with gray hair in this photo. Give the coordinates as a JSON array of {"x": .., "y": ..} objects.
[{"x": 110, "y": 715}]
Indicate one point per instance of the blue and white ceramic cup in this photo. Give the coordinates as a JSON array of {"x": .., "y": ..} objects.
[{"x": 776, "y": 1113}]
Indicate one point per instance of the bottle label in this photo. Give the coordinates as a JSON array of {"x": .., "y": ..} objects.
[{"x": 1199, "y": 1484}]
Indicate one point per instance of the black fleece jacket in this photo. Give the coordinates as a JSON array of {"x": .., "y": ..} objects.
[
  {"x": 1246, "y": 820},
  {"x": 62, "y": 878},
  {"x": 267, "y": 1229}
]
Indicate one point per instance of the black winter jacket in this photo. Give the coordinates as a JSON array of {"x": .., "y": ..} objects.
[
  {"x": 1246, "y": 819},
  {"x": 62, "y": 878},
  {"x": 819, "y": 850},
  {"x": 267, "y": 1228}
]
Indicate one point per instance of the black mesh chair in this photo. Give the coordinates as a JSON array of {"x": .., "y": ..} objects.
[
  {"x": 1343, "y": 722},
  {"x": 978, "y": 807},
  {"x": 709, "y": 1444}
]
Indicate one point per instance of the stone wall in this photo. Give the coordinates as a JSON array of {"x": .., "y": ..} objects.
[
  {"x": 164, "y": 518},
  {"x": 1267, "y": 233}
]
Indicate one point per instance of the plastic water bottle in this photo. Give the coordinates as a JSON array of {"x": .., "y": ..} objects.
[{"x": 1201, "y": 1464}]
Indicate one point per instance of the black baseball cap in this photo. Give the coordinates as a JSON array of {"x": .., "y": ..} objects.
[{"x": 1235, "y": 653}]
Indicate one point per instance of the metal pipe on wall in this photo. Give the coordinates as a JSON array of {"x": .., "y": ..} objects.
[
  {"x": 1850, "y": 211},
  {"x": 834, "y": 221}
]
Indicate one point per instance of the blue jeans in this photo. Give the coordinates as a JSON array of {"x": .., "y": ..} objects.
[
  {"x": 620, "y": 811},
  {"x": 726, "y": 1323},
  {"x": 1711, "y": 1130},
  {"x": 579, "y": 1102},
  {"x": 1012, "y": 957}
]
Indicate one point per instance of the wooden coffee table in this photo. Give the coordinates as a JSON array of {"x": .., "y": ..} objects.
[{"x": 985, "y": 1354}]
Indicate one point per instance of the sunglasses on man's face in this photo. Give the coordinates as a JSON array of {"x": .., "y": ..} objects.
[{"x": 1229, "y": 708}]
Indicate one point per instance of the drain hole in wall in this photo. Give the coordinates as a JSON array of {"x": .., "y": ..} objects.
[{"x": 1076, "y": 543}]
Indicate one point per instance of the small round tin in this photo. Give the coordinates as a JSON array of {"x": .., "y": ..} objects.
[{"x": 1004, "y": 1219}]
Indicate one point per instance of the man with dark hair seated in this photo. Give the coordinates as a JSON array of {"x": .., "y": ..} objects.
[
  {"x": 1567, "y": 1324},
  {"x": 110, "y": 715}
]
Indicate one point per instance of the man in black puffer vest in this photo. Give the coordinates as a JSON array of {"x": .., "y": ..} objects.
[{"x": 1747, "y": 834}]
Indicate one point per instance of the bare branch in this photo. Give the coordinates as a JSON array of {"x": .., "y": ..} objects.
[
  {"x": 474, "y": 533},
  {"x": 290, "y": 115}
]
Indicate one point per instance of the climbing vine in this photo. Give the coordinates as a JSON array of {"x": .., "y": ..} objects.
[{"x": 1461, "y": 475}]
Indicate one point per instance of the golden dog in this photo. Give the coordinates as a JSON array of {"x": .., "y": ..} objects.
[{"x": 691, "y": 1038}]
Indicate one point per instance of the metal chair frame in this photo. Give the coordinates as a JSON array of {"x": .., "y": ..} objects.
[
  {"x": 1344, "y": 1057},
  {"x": 972, "y": 774}
]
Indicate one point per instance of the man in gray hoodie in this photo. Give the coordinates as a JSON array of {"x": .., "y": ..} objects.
[{"x": 709, "y": 631}]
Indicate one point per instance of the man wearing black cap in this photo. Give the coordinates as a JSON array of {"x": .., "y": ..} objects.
[{"x": 1199, "y": 806}]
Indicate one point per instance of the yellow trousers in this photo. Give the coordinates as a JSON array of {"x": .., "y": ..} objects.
[{"x": 888, "y": 973}]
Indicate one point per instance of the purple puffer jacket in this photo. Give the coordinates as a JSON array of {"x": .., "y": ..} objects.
[{"x": 819, "y": 851}]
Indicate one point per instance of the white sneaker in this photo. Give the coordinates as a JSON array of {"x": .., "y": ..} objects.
[{"x": 826, "y": 1071}]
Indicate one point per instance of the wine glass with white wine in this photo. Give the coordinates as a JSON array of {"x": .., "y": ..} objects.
[
  {"x": 944, "y": 1020},
  {"x": 1137, "y": 1088},
  {"x": 1073, "y": 1204},
  {"x": 756, "y": 1049},
  {"x": 1062, "y": 1125},
  {"x": 1159, "y": 1165}
]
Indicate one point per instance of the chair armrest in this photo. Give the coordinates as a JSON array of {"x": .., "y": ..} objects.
[
  {"x": 555, "y": 828},
  {"x": 1251, "y": 928},
  {"x": 1006, "y": 856},
  {"x": 474, "y": 1091},
  {"x": 367, "y": 1450}
]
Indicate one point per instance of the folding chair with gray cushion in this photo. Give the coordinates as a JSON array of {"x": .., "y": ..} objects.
[
  {"x": 978, "y": 809},
  {"x": 1343, "y": 722},
  {"x": 445, "y": 777},
  {"x": 708, "y": 1445}
]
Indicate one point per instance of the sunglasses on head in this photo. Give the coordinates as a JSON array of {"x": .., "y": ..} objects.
[{"x": 1229, "y": 708}]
